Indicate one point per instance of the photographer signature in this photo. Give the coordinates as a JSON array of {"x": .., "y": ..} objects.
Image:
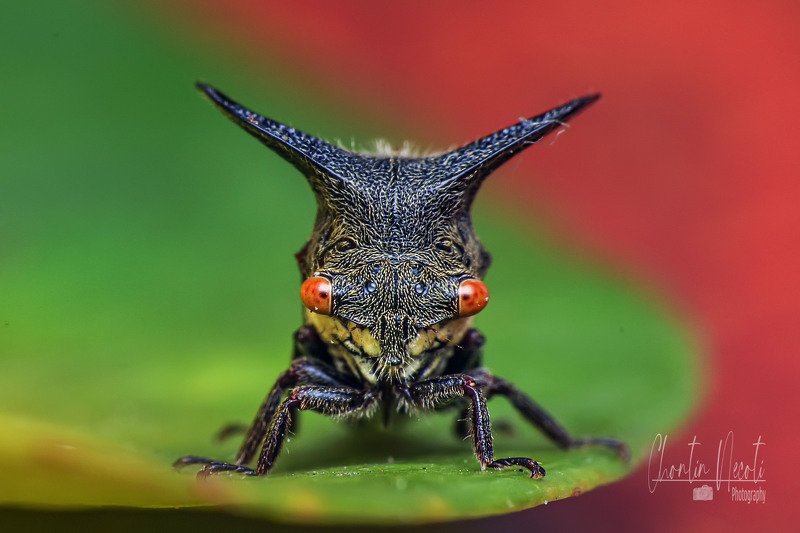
[{"x": 726, "y": 469}]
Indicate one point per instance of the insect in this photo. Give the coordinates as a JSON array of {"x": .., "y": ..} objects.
[{"x": 392, "y": 277}]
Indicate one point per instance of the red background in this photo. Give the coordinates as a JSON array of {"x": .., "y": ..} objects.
[{"x": 686, "y": 173}]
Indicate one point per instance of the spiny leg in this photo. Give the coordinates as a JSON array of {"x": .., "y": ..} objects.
[
  {"x": 332, "y": 401},
  {"x": 302, "y": 371},
  {"x": 492, "y": 385},
  {"x": 310, "y": 364},
  {"x": 434, "y": 392},
  {"x": 258, "y": 428},
  {"x": 212, "y": 465},
  {"x": 467, "y": 355},
  {"x": 499, "y": 427},
  {"x": 237, "y": 428}
]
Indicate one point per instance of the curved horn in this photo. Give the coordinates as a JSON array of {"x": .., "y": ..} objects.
[
  {"x": 472, "y": 163},
  {"x": 313, "y": 157}
]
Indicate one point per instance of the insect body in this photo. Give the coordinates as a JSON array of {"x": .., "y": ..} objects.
[{"x": 392, "y": 277}]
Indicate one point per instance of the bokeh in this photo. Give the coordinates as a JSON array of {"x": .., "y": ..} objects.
[{"x": 682, "y": 180}]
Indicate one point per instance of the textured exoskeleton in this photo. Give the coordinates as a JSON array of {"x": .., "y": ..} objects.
[{"x": 392, "y": 274}]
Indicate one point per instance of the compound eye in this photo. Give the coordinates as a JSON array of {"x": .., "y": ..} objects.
[
  {"x": 473, "y": 295},
  {"x": 316, "y": 295}
]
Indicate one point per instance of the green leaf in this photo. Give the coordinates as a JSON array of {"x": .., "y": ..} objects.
[{"x": 149, "y": 295}]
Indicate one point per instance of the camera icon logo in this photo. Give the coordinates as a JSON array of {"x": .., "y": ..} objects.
[{"x": 703, "y": 494}]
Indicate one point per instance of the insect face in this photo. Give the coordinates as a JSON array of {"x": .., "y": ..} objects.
[{"x": 394, "y": 268}]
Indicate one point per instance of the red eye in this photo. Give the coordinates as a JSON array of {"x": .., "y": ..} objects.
[
  {"x": 316, "y": 295},
  {"x": 473, "y": 295}
]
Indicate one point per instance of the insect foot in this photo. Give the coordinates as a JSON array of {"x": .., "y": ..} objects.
[
  {"x": 210, "y": 466},
  {"x": 537, "y": 471}
]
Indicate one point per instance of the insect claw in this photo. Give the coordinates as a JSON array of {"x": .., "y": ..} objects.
[{"x": 535, "y": 468}]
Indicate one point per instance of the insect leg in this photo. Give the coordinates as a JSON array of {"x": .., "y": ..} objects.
[
  {"x": 466, "y": 356},
  {"x": 258, "y": 429},
  {"x": 308, "y": 346},
  {"x": 536, "y": 415},
  {"x": 433, "y": 392},
  {"x": 331, "y": 401},
  {"x": 302, "y": 371}
]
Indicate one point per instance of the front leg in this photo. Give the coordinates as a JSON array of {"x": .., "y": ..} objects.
[
  {"x": 540, "y": 418},
  {"x": 310, "y": 366},
  {"x": 434, "y": 392},
  {"x": 303, "y": 371},
  {"x": 332, "y": 401}
]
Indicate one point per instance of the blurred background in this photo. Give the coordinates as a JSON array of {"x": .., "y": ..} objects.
[{"x": 683, "y": 176}]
